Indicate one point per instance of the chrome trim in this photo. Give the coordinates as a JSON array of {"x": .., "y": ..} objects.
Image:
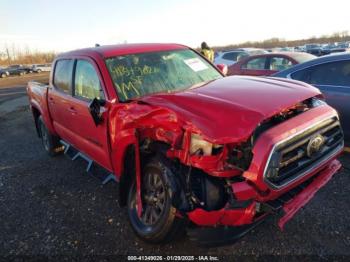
[{"x": 312, "y": 168}]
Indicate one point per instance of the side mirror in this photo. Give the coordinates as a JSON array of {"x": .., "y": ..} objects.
[
  {"x": 223, "y": 68},
  {"x": 95, "y": 110}
]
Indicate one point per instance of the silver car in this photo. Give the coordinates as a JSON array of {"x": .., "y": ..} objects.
[{"x": 38, "y": 68}]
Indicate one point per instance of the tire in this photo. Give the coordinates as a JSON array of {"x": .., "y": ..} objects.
[
  {"x": 152, "y": 227},
  {"x": 50, "y": 142},
  {"x": 21, "y": 73},
  {"x": 3, "y": 75},
  {"x": 38, "y": 71}
]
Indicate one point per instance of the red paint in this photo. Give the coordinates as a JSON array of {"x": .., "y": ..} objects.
[
  {"x": 138, "y": 178},
  {"x": 225, "y": 111},
  {"x": 227, "y": 217},
  {"x": 243, "y": 191},
  {"x": 308, "y": 193}
]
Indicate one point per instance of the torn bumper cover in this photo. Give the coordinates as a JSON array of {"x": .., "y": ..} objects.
[
  {"x": 244, "y": 219},
  {"x": 291, "y": 207}
]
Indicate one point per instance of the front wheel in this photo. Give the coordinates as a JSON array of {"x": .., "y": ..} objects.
[
  {"x": 3, "y": 75},
  {"x": 158, "y": 221}
]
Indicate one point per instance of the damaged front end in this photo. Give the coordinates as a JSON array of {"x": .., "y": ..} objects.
[
  {"x": 226, "y": 187},
  {"x": 229, "y": 183}
]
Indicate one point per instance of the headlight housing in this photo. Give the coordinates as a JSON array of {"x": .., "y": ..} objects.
[
  {"x": 317, "y": 102},
  {"x": 201, "y": 147}
]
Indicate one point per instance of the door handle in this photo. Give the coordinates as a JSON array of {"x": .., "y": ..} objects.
[
  {"x": 51, "y": 100},
  {"x": 72, "y": 110}
]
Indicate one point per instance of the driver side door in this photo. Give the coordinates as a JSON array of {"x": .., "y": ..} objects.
[{"x": 89, "y": 138}]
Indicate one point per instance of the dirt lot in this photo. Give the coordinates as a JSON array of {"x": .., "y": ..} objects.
[
  {"x": 11, "y": 81},
  {"x": 51, "y": 206}
]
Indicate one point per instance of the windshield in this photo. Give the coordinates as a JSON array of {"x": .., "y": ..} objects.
[{"x": 142, "y": 74}]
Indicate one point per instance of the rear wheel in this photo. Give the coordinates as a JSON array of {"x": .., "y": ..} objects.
[
  {"x": 38, "y": 71},
  {"x": 50, "y": 142},
  {"x": 158, "y": 221}
]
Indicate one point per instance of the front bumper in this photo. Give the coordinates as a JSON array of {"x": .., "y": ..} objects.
[
  {"x": 244, "y": 219},
  {"x": 291, "y": 207},
  {"x": 254, "y": 198}
]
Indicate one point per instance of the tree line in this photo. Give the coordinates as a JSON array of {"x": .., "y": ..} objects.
[
  {"x": 280, "y": 42},
  {"x": 11, "y": 55}
]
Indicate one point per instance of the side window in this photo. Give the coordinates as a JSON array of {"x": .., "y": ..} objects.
[
  {"x": 334, "y": 73},
  {"x": 280, "y": 63},
  {"x": 87, "y": 83},
  {"x": 256, "y": 63},
  {"x": 230, "y": 56},
  {"x": 63, "y": 75}
]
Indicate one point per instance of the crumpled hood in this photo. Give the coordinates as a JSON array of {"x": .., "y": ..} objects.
[{"x": 228, "y": 110}]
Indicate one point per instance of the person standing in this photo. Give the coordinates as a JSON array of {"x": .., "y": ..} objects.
[{"x": 207, "y": 52}]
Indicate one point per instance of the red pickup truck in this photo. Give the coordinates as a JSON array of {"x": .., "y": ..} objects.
[{"x": 190, "y": 148}]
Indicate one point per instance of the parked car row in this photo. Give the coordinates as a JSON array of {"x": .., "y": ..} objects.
[
  {"x": 233, "y": 56},
  {"x": 324, "y": 49},
  {"x": 24, "y": 69}
]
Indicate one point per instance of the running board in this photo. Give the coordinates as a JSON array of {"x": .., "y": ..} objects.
[{"x": 74, "y": 154}]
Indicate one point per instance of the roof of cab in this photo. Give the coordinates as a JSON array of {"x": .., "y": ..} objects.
[{"x": 123, "y": 49}]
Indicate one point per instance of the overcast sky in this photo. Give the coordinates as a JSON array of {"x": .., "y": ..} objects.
[{"x": 62, "y": 25}]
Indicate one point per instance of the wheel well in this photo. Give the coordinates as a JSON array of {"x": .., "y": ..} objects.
[
  {"x": 36, "y": 115},
  {"x": 148, "y": 149},
  {"x": 128, "y": 174}
]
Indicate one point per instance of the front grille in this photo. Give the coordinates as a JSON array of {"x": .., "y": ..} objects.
[{"x": 303, "y": 152}]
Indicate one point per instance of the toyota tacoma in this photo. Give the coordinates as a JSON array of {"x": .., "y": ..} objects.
[{"x": 190, "y": 148}]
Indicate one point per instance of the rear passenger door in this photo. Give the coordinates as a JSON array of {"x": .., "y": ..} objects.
[
  {"x": 255, "y": 67},
  {"x": 59, "y": 97}
]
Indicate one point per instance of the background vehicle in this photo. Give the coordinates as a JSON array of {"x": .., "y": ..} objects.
[
  {"x": 268, "y": 64},
  {"x": 41, "y": 68},
  {"x": 231, "y": 57},
  {"x": 341, "y": 47},
  {"x": 314, "y": 49},
  {"x": 180, "y": 137},
  {"x": 331, "y": 74},
  {"x": 18, "y": 70},
  {"x": 3, "y": 73}
]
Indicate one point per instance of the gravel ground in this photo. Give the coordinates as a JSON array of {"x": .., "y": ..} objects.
[{"x": 51, "y": 206}]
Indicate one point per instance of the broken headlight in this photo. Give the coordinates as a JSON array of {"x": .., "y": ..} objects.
[
  {"x": 315, "y": 102},
  {"x": 199, "y": 146}
]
